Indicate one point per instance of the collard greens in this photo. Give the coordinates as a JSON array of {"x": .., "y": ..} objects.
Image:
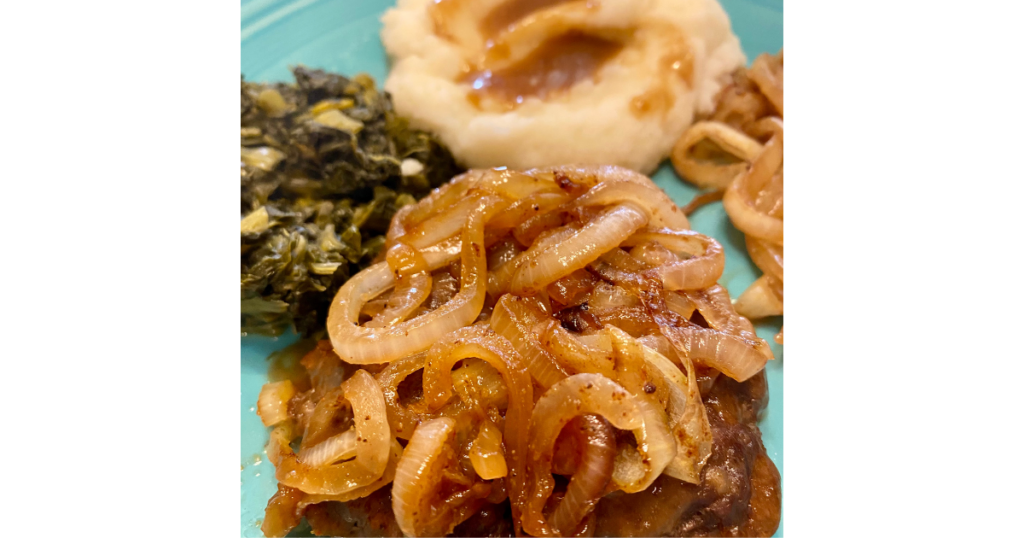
[{"x": 322, "y": 173}]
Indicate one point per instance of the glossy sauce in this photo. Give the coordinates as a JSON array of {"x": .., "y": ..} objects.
[
  {"x": 510, "y": 12},
  {"x": 675, "y": 63},
  {"x": 554, "y": 67}
]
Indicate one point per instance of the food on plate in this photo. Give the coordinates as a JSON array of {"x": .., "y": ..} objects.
[
  {"x": 325, "y": 163},
  {"x": 533, "y": 350},
  {"x": 529, "y": 83},
  {"x": 737, "y": 151}
]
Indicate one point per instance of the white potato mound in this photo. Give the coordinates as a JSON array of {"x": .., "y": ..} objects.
[{"x": 595, "y": 121}]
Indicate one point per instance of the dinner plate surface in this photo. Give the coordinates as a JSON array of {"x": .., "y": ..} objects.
[{"x": 343, "y": 36}]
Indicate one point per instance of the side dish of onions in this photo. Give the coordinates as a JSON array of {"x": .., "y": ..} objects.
[
  {"x": 521, "y": 326},
  {"x": 738, "y": 152}
]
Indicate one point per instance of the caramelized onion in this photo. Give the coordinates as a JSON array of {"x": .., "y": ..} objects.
[
  {"x": 572, "y": 354},
  {"x": 361, "y": 345},
  {"x": 598, "y": 236},
  {"x": 748, "y": 110},
  {"x": 514, "y": 319},
  {"x": 483, "y": 343},
  {"x": 272, "y": 406},
  {"x": 597, "y": 317},
  {"x": 766, "y": 256},
  {"x": 487, "y": 454},
  {"x": 759, "y": 300},
  {"x": 687, "y": 418},
  {"x": 386, "y": 478},
  {"x": 737, "y": 202},
  {"x": 402, "y": 420},
  {"x": 331, "y": 450},
  {"x": 710, "y": 174},
  {"x": 372, "y": 436},
  {"x": 587, "y": 485},
  {"x": 662, "y": 211},
  {"x": 737, "y": 357},
  {"x": 766, "y": 72},
  {"x": 477, "y": 381},
  {"x": 416, "y": 496},
  {"x": 575, "y": 395},
  {"x": 498, "y": 281},
  {"x": 701, "y": 270}
]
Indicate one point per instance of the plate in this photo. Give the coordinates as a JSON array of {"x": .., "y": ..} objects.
[{"x": 343, "y": 37}]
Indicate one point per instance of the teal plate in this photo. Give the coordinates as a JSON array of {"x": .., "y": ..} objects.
[{"x": 343, "y": 36}]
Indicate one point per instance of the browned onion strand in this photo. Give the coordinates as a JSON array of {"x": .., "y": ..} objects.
[
  {"x": 483, "y": 343},
  {"x": 402, "y": 420},
  {"x": 600, "y": 235},
  {"x": 412, "y": 285},
  {"x": 514, "y": 318},
  {"x": 363, "y": 392},
  {"x": 575, "y": 395},
  {"x": 747, "y": 111},
  {"x": 596, "y": 456},
  {"x": 529, "y": 301},
  {"x": 363, "y": 345},
  {"x": 701, "y": 270}
]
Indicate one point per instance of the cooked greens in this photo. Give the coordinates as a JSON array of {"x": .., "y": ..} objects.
[{"x": 325, "y": 164}]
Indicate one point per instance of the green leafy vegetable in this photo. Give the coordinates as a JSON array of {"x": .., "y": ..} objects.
[{"x": 325, "y": 163}]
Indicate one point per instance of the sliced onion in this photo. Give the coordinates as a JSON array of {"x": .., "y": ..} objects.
[
  {"x": 499, "y": 280},
  {"x": 412, "y": 285},
  {"x": 769, "y": 81},
  {"x": 659, "y": 344},
  {"x": 575, "y": 395},
  {"x": 477, "y": 381},
  {"x": 711, "y": 175},
  {"x": 516, "y": 185},
  {"x": 687, "y": 418},
  {"x": 357, "y": 493},
  {"x": 487, "y": 454},
  {"x": 766, "y": 256},
  {"x": 514, "y": 318},
  {"x": 328, "y": 418},
  {"x": 272, "y": 406},
  {"x": 597, "y": 455},
  {"x": 606, "y": 296},
  {"x": 442, "y": 226},
  {"x": 655, "y": 449},
  {"x": 663, "y": 212},
  {"x": 442, "y": 197},
  {"x": 334, "y": 449},
  {"x": 416, "y": 491},
  {"x": 737, "y": 357},
  {"x": 402, "y": 420},
  {"x": 535, "y": 205},
  {"x": 703, "y": 269},
  {"x": 680, "y": 304},
  {"x": 362, "y": 345},
  {"x": 483, "y": 343},
  {"x": 717, "y": 308},
  {"x": 373, "y": 437},
  {"x": 571, "y": 354},
  {"x": 597, "y": 237},
  {"x": 572, "y": 289},
  {"x": 759, "y": 301},
  {"x": 655, "y": 444},
  {"x": 737, "y": 201}
]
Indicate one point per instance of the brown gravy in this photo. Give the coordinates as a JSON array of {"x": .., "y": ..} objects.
[
  {"x": 510, "y": 12},
  {"x": 555, "y": 66}
]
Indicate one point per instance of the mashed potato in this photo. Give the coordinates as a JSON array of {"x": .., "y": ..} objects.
[{"x": 528, "y": 83}]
